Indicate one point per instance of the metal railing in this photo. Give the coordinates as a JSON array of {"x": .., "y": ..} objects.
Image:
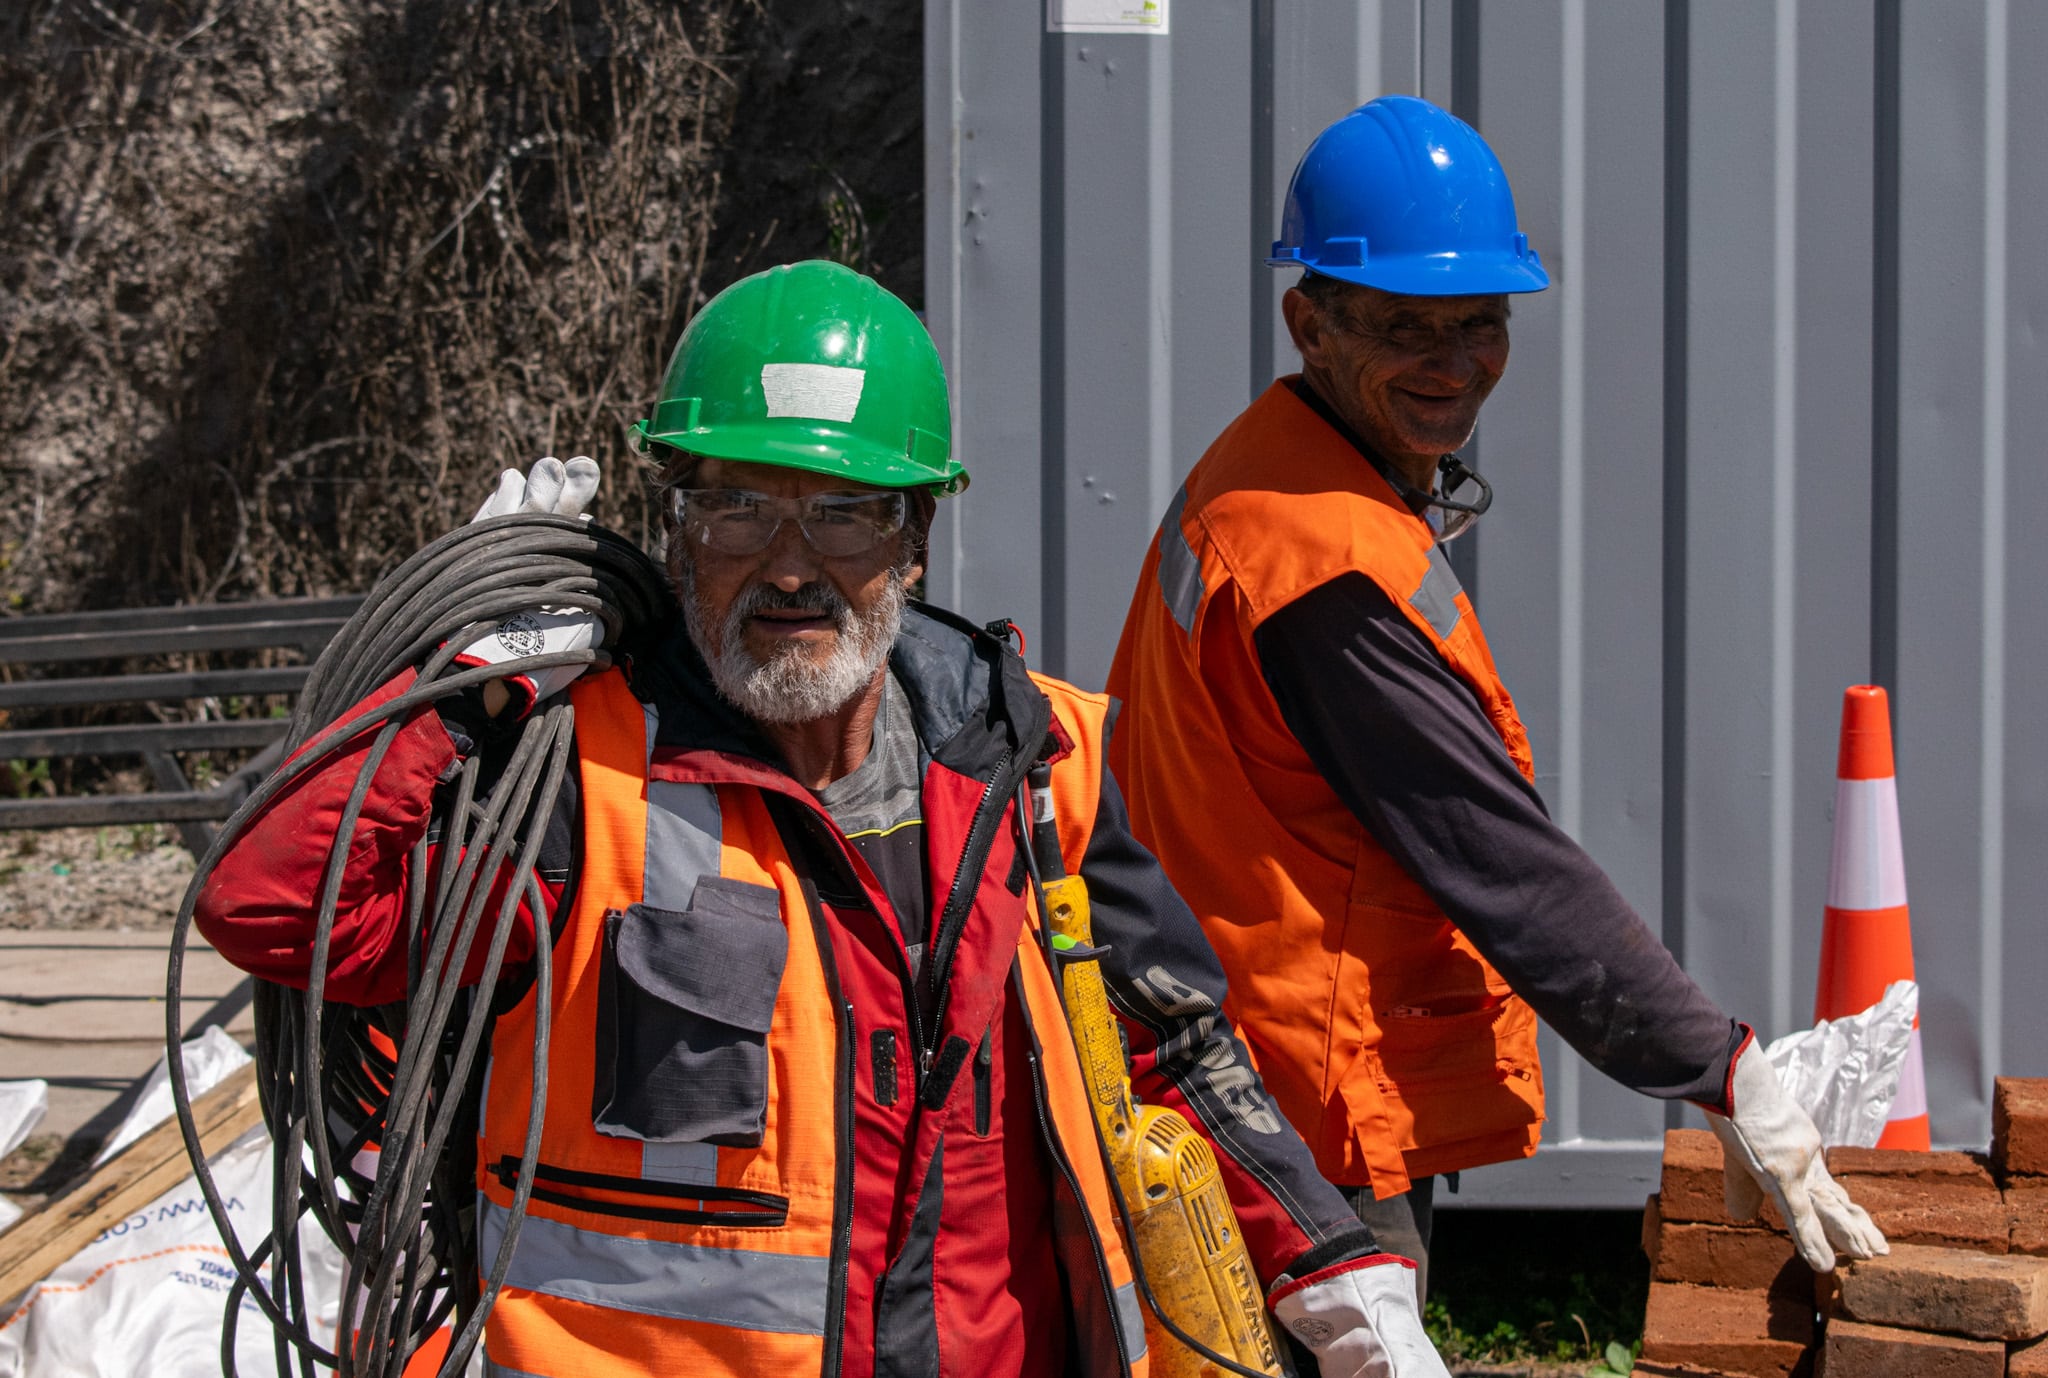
[{"x": 31, "y": 646}]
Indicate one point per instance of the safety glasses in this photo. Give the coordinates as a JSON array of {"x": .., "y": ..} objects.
[
  {"x": 1450, "y": 515},
  {"x": 736, "y": 521}
]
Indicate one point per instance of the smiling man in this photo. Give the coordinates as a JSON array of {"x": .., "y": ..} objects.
[
  {"x": 814, "y": 1106},
  {"x": 1319, "y": 750}
]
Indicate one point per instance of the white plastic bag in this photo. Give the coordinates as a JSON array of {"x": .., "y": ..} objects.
[
  {"x": 22, "y": 1107},
  {"x": 209, "y": 1059},
  {"x": 1845, "y": 1072},
  {"x": 147, "y": 1298}
]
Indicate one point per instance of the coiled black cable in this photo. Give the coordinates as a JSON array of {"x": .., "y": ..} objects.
[{"x": 404, "y": 1079}]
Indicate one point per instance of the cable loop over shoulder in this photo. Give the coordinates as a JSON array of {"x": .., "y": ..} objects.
[{"x": 372, "y": 1111}]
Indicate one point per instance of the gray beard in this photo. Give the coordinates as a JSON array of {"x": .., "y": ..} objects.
[{"x": 788, "y": 687}]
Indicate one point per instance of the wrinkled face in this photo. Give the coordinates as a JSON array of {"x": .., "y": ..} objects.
[
  {"x": 790, "y": 634},
  {"x": 1410, "y": 373}
]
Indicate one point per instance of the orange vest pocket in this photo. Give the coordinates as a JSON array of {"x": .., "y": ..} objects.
[{"x": 1458, "y": 1075}]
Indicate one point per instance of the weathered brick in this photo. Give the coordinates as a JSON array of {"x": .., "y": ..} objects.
[
  {"x": 1965, "y": 1169},
  {"x": 1827, "y": 1293},
  {"x": 1729, "y": 1256},
  {"x": 1720, "y": 1330},
  {"x": 1945, "y": 1199},
  {"x": 1690, "y": 1188},
  {"x": 1855, "y": 1350},
  {"x": 2019, "y": 1125},
  {"x": 1955, "y": 1212},
  {"x": 1690, "y": 1191},
  {"x": 2027, "y": 1359},
  {"x": 1986, "y": 1296},
  {"x": 2026, "y": 1214}
]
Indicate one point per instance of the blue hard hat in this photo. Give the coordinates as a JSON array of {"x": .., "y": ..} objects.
[{"x": 1405, "y": 197}]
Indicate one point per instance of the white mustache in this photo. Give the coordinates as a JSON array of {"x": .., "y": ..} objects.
[{"x": 818, "y": 598}]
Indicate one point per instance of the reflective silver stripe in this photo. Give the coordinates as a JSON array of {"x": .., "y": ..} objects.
[
  {"x": 746, "y": 1290},
  {"x": 653, "y": 717},
  {"x": 682, "y": 842},
  {"x": 1180, "y": 572},
  {"x": 1131, "y": 1320},
  {"x": 683, "y": 832},
  {"x": 694, "y": 1163},
  {"x": 1437, "y": 599}
]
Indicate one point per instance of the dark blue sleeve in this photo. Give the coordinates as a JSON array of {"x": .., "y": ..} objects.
[
  {"x": 1404, "y": 743},
  {"x": 1167, "y": 987}
]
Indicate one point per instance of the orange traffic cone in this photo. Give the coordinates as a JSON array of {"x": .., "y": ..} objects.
[{"x": 1867, "y": 942}]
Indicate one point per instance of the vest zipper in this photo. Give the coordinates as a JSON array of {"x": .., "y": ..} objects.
[
  {"x": 984, "y": 1060},
  {"x": 959, "y": 899},
  {"x": 842, "y": 1205}
]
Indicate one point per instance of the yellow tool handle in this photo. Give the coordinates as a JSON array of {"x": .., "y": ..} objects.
[
  {"x": 1095, "y": 1032},
  {"x": 1187, "y": 1236}
]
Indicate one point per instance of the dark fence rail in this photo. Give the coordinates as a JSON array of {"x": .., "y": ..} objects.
[{"x": 303, "y": 625}]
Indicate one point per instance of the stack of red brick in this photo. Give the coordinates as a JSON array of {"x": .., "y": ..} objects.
[{"x": 1963, "y": 1294}]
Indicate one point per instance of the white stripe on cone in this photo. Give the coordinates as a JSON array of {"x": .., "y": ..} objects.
[{"x": 1868, "y": 870}]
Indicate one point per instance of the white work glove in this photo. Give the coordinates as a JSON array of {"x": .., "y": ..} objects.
[
  {"x": 563, "y": 490},
  {"x": 1769, "y": 1145},
  {"x": 1360, "y": 1319},
  {"x": 550, "y": 486}
]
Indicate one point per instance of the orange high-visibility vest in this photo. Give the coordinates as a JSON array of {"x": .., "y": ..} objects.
[
  {"x": 1391, "y": 1044},
  {"x": 644, "y": 1257}
]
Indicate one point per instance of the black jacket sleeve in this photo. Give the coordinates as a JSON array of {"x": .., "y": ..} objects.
[
  {"x": 1167, "y": 987},
  {"x": 1406, "y": 746}
]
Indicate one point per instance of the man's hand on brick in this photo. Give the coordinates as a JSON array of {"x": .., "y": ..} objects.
[{"x": 1771, "y": 1146}]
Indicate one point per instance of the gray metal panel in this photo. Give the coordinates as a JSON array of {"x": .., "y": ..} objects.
[
  {"x": 1739, "y": 578},
  {"x": 1568, "y": 574},
  {"x": 983, "y": 232},
  {"x": 1960, "y": 740},
  {"x": 1157, "y": 215},
  {"x": 1755, "y": 445},
  {"x": 2023, "y": 967},
  {"x": 1829, "y": 440}
]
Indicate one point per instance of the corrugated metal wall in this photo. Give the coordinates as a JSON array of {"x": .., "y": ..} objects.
[{"x": 1767, "y": 435}]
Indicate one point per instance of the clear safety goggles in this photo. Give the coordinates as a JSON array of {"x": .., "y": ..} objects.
[
  {"x": 1448, "y": 514},
  {"x": 737, "y": 521}
]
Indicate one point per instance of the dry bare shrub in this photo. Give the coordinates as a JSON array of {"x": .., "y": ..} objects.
[{"x": 282, "y": 284}]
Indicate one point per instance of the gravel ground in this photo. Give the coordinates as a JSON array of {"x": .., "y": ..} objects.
[{"x": 93, "y": 878}]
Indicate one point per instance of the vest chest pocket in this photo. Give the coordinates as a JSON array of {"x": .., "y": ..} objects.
[{"x": 685, "y": 1000}]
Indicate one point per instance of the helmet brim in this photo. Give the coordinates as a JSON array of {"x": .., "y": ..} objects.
[
  {"x": 1437, "y": 275},
  {"x": 824, "y": 450}
]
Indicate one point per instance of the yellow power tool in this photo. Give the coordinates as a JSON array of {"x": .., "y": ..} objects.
[{"x": 1187, "y": 1237}]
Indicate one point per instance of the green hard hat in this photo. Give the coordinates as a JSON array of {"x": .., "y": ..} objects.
[{"x": 811, "y": 366}]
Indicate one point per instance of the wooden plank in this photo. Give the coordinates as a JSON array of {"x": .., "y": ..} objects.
[
  {"x": 140, "y": 1173},
  {"x": 183, "y": 615},
  {"x": 131, "y": 739},
  {"x": 51, "y": 693}
]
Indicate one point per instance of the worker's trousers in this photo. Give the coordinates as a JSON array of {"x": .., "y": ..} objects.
[{"x": 1401, "y": 1224}]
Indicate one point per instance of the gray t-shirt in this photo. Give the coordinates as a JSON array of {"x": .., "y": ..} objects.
[{"x": 880, "y": 809}]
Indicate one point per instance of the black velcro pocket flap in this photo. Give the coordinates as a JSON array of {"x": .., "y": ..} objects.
[
  {"x": 685, "y": 1002},
  {"x": 722, "y": 958}
]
